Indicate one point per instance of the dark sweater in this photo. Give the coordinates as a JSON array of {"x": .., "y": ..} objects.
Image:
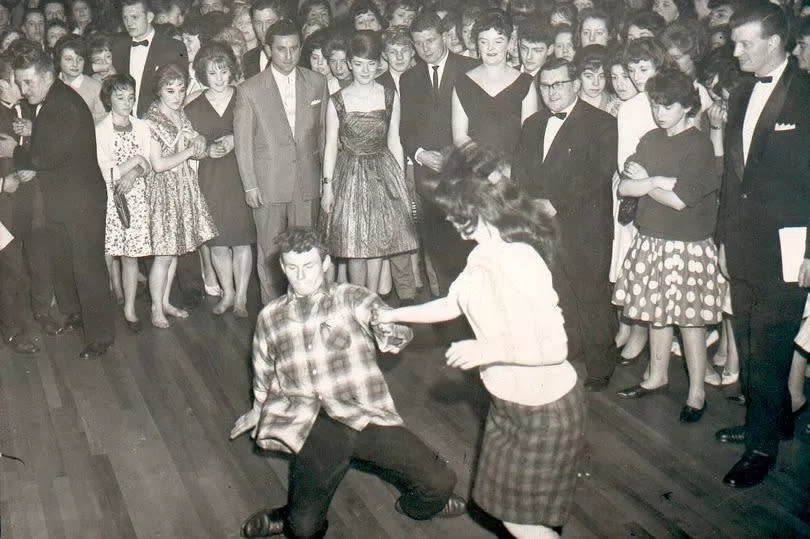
[{"x": 687, "y": 156}]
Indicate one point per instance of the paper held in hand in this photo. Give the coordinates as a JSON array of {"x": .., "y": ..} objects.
[
  {"x": 5, "y": 236},
  {"x": 791, "y": 242}
]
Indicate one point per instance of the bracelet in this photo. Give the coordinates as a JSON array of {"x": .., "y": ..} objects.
[
  {"x": 2, "y": 184},
  {"x": 327, "y": 181},
  {"x": 717, "y": 127}
]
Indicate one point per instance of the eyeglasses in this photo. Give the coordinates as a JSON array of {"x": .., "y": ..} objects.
[{"x": 556, "y": 86}]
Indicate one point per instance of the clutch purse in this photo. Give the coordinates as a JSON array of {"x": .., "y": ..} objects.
[
  {"x": 627, "y": 210},
  {"x": 121, "y": 206}
]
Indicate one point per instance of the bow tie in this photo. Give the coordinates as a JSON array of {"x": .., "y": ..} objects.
[
  {"x": 560, "y": 115},
  {"x": 144, "y": 43},
  {"x": 765, "y": 80}
]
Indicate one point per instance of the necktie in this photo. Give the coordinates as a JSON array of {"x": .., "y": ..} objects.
[
  {"x": 143, "y": 43},
  {"x": 18, "y": 113},
  {"x": 765, "y": 80},
  {"x": 560, "y": 115},
  {"x": 435, "y": 81}
]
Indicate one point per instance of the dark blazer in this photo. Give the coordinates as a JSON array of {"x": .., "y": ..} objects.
[
  {"x": 387, "y": 81},
  {"x": 771, "y": 190},
  {"x": 576, "y": 177},
  {"x": 63, "y": 154},
  {"x": 425, "y": 122},
  {"x": 250, "y": 62},
  {"x": 162, "y": 51}
]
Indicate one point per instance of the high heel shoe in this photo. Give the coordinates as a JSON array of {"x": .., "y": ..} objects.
[
  {"x": 692, "y": 415},
  {"x": 135, "y": 327},
  {"x": 625, "y": 361}
]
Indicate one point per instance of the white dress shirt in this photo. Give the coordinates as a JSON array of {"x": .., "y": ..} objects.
[
  {"x": 263, "y": 60},
  {"x": 553, "y": 126},
  {"x": 286, "y": 87},
  {"x": 137, "y": 62},
  {"x": 759, "y": 98}
]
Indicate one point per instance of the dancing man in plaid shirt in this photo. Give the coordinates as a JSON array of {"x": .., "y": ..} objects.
[{"x": 319, "y": 394}]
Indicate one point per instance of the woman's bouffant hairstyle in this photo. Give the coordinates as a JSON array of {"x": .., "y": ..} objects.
[
  {"x": 493, "y": 19},
  {"x": 115, "y": 83},
  {"x": 670, "y": 85},
  {"x": 365, "y": 44},
  {"x": 168, "y": 74},
  {"x": 361, "y": 7},
  {"x": 218, "y": 53},
  {"x": 684, "y": 37},
  {"x": 475, "y": 184},
  {"x": 316, "y": 40},
  {"x": 70, "y": 41},
  {"x": 646, "y": 48}
]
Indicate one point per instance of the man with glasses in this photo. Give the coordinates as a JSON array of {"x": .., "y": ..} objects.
[{"x": 566, "y": 155}]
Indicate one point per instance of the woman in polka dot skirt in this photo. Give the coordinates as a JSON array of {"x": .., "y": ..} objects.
[{"x": 670, "y": 276}]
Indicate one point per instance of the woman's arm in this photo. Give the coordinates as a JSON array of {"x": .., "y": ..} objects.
[
  {"x": 459, "y": 122},
  {"x": 394, "y": 143},
  {"x": 529, "y": 105},
  {"x": 161, "y": 163},
  {"x": 438, "y": 310},
  {"x": 667, "y": 198},
  {"x": 329, "y": 156},
  {"x": 639, "y": 187}
]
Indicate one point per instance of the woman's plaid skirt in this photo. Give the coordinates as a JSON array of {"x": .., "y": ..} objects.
[{"x": 527, "y": 470}]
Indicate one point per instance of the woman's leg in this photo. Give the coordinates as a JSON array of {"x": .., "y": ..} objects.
[
  {"x": 623, "y": 334},
  {"x": 660, "y": 343},
  {"x": 694, "y": 344},
  {"x": 417, "y": 272},
  {"x": 223, "y": 264},
  {"x": 356, "y": 271},
  {"x": 168, "y": 308},
  {"x": 636, "y": 341},
  {"x": 212, "y": 288},
  {"x": 530, "y": 531},
  {"x": 114, "y": 271},
  {"x": 342, "y": 272},
  {"x": 374, "y": 268},
  {"x": 129, "y": 282},
  {"x": 242, "y": 266},
  {"x": 386, "y": 281},
  {"x": 796, "y": 380},
  {"x": 157, "y": 289}
]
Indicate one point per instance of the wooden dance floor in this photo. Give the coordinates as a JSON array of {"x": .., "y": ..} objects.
[{"x": 136, "y": 445}]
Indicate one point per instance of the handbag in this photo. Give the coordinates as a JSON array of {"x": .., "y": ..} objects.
[
  {"x": 627, "y": 210},
  {"x": 121, "y": 206}
]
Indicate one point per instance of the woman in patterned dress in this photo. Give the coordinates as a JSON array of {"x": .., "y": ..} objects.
[
  {"x": 179, "y": 217},
  {"x": 122, "y": 142}
]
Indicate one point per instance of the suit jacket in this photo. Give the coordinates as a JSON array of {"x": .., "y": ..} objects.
[
  {"x": 162, "y": 51},
  {"x": 270, "y": 156},
  {"x": 250, "y": 62},
  {"x": 771, "y": 190},
  {"x": 63, "y": 154},
  {"x": 425, "y": 121},
  {"x": 576, "y": 177}
]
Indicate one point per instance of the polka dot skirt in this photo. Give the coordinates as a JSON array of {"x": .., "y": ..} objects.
[{"x": 670, "y": 282}]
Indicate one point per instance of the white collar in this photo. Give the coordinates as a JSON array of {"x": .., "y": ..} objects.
[
  {"x": 279, "y": 75},
  {"x": 777, "y": 72},
  {"x": 150, "y": 36},
  {"x": 567, "y": 110},
  {"x": 75, "y": 83},
  {"x": 442, "y": 60}
]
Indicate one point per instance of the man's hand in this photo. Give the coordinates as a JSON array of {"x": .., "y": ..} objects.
[
  {"x": 721, "y": 261},
  {"x": 804, "y": 273},
  {"x": 247, "y": 422},
  {"x": 432, "y": 160},
  {"x": 254, "y": 198},
  {"x": 7, "y": 145},
  {"x": 466, "y": 355},
  {"x": 11, "y": 183},
  {"x": 25, "y": 176},
  {"x": 22, "y": 127}
]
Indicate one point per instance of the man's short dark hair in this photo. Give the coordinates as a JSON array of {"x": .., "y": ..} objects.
[
  {"x": 147, "y": 4},
  {"x": 771, "y": 18},
  {"x": 37, "y": 58},
  {"x": 33, "y": 11},
  {"x": 534, "y": 30},
  {"x": 803, "y": 29},
  {"x": 426, "y": 20},
  {"x": 278, "y": 6},
  {"x": 6, "y": 71},
  {"x": 282, "y": 27},
  {"x": 300, "y": 240},
  {"x": 557, "y": 63}
]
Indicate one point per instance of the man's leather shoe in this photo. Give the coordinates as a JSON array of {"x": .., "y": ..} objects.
[
  {"x": 750, "y": 470},
  {"x": 736, "y": 399},
  {"x": 73, "y": 322},
  {"x": 48, "y": 324},
  {"x": 692, "y": 415},
  {"x": 731, "y": 435},
  {"x": 23, "y": 345},
  {"x": 193, "y": 299},
  {"x": 596, "y": 383},
  {"x": 637, "y": 391},
  {"x": 265, "y": 523},
  {"x": 95, "y": 349},
  {"x": 455, "y": 507}
]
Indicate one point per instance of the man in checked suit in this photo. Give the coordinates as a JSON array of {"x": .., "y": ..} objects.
[
  {"x": 279, "y": 123},
  {"x": 766, "y": 187},
  {"x": 426, "y": 90},
  {"x": 567, "y": 155}
]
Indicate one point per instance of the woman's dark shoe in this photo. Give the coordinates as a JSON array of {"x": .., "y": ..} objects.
[
  {"x": 48, "y": 324},
  {"x": 625, "y": 361},
  {"x": 23, "y": 345},
  {"x": 73, "y": 322},
  {"x": 455, "y": 506},
  {"x": 692, "y": 415},
  {"x": 638, "y": 391},
  {"x": 135, "y": 327},
  {"x": 265, "y": 523},
  {"x": 95, "y": 349}
]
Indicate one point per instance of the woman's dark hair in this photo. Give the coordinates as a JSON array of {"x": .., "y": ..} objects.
[
  {"x": 684, "y": 37},
  {"x": 492, "y": 19},
  {"x": 646, "y": 20},
  {"x": 316, "y": 40},
  {"x": 361, "y": 7},
  {"x": 70, "y": 41},
  {"x": 113, "y": 83},
  {"x": 307, "y": 5},
  {"x": 98, "y": 42},
  {"x": 567, "y": 10},
  {"x": 167, "y": 75},
  {"x": 217, "y": 53},
  {"x": 597, "y": 14},
  {"x": 670, "y": 85},
  {"x": 365, "y": 44},
  {"x": 592, "y": 58},
  {"x": 475, "y": 185},
  {"x": 646, "y": 48}
]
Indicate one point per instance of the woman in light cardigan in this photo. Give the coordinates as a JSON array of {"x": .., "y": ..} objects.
[{"x": 69, "y": 54}]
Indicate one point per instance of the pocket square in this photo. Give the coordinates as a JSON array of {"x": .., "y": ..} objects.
[
  {"x": 316, "y": 102},
  {"x": 784, "y": 127}
]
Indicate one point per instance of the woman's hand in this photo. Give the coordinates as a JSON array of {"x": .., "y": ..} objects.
[
  {"x": 385, "y": 316},
  {"x": 327, "y": 199},
  {"x": 466, "y": 355},
  {"x": 634, "y": 171},
  {"x": 718, "y": 114},
  {"x": 126, "y": 182},
  {"x": 216, "y": 150},
  {"x": 144, "y": 164},
  {"x": 198, "y": 147},
  {"x": 25, "y": 176},
  {"x": 227, "y": 143},
  {"x": 10, "y": 183}
]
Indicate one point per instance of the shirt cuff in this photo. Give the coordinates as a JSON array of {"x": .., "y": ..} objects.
[{"x": 416, "y": 155}]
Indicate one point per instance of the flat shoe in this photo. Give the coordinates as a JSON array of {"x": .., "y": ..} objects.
[
  {"x": 95, "y": 349},
  {"x": 48, "y": 324},
  {"x": 455, "y": 506},
  {"x": 637, "y": 391},
  {"x": 625, "y": 361},
  {"x": 265, "y": 523},
  {"x": 692, "y": 415},
  {"x": 73, "y": 323},
  {"x": 135, "y": 327}
]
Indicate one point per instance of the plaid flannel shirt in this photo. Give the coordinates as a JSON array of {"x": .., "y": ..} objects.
[{"x": 319, "y": 352}]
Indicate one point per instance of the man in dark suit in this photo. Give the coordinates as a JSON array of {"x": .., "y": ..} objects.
[
  {"x": 143, "y": 51},
  {"x": 263, "y": 14},
  {"x": 63, "y": 155},
  {"x": 567, "y": 155},
  {"x": 425, "y": 92},
  {"x": 766, "y": 187}
]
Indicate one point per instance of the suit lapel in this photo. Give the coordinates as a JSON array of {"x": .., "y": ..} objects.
[
  {"x": 278, "y": 109},
  {"x": 770, "y": 113},
  {"x": 301, "y": 102},
  {"x": 559, "y": 146}
]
